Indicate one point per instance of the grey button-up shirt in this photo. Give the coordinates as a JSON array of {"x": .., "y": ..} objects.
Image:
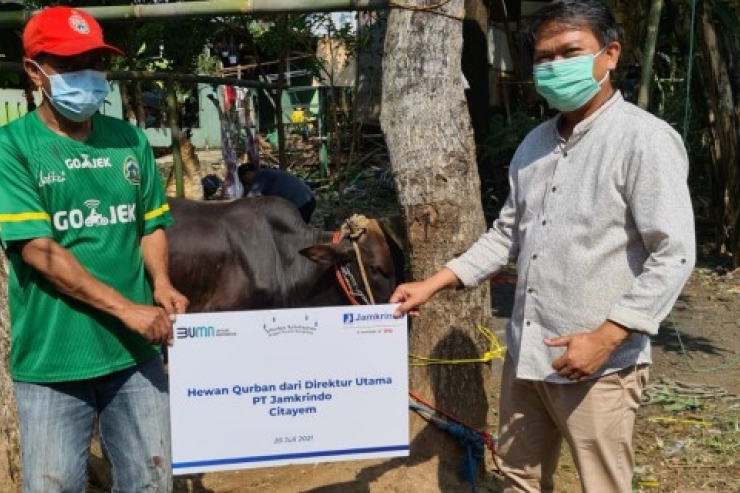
[{"x": 601, "y": 227}]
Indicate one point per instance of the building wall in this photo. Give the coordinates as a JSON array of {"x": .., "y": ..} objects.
[{"x": 208, "y": 135}]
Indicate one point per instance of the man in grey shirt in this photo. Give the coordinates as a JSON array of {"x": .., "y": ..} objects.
[{"x": 600, "y": 222}]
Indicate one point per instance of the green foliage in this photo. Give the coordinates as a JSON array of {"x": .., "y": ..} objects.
[
  {"x": 269, "y": 37},
  {"x": 672, "y": 402},
  {"x": 727, "y": 13},
  {"x": 497, "y": 150},
  {"x": 181, "y": 40},
  {"x": 504, "y": 137},
  {"x": 207, "y": 64}
]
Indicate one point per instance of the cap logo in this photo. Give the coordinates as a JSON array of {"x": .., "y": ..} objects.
[{"x": 78, "y": 24}]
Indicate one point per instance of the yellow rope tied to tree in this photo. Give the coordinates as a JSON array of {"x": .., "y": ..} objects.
[{"x": 495, "y": 351}]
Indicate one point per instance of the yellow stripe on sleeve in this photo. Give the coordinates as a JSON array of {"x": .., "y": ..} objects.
[
  {"x": 24, "y": 216},
  {"x": 156, "y": 212}
]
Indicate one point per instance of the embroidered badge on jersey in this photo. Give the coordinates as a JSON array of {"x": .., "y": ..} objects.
[{"x": 131, "y": 170}]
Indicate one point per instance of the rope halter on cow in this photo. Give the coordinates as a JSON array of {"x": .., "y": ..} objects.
[{"x": 353, "y": 229}]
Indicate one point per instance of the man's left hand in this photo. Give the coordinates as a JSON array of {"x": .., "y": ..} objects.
[
  {"x": 587, "y": 352},
  {"x": 169, "y": 298}
]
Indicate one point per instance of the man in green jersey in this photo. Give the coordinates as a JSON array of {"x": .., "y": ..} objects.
[{"x": 82, "y": 213}]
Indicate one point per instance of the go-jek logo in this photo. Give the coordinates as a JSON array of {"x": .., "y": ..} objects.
[
  {"x": 85, "y": 162},
  {"x": 90, "y": 218}
]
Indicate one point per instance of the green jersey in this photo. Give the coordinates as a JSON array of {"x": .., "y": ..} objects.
[{"x": 96, "y": 199}]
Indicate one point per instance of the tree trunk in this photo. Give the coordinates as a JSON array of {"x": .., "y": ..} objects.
[
  {"x": 631, "y": 17},
  {"x": 427, "y": 127},
  {"x": 475, "y": 68},
  {"x": 9, "y": 445},
  {"x": 723, "y": 128}
]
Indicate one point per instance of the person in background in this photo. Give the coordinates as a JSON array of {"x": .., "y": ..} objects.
[
  {"x": 600, "y": 222},
  {"x": 211, "y": 186},
  {"x": 280, "y": 183},
  {"x": 152, "y": 104},
  {"x": 82, "y": 213}
]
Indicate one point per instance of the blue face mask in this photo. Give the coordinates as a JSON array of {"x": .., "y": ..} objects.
[
  {"x": 568, "y": 84},
  {"x": 77, "y": 95}
]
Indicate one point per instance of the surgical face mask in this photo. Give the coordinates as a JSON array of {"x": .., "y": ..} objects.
[
  {"x": 568, "y": 84},
  {"x": 77, "y": 95}
]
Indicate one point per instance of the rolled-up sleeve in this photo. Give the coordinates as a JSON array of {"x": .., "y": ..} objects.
[{"x": 658, "y": 196}]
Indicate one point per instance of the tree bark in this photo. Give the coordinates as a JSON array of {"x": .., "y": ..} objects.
[
  {"x": 631, "y": 16},
  {"x": 427, "y": 127},
  {"x": 9, "y": 438},
  {"x": 723, "y": 128},
  {"x": 475, "y": 68}
]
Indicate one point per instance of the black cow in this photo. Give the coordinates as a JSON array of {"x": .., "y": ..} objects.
[{"x": 257, "y": 253}]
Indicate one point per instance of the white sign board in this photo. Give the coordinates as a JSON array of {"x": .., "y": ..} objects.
[{"x": 276, "y": 387}]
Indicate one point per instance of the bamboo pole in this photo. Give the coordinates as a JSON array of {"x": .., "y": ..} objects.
[
  {"x": 643, "y": 98},
  {"x": 171, "y": 102},
  {"x": 200, "y": 79},
  {"x": 15, "y": 67},
  {"x": 214, "y": 8}
]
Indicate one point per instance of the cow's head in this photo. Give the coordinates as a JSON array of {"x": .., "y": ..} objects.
[{"x": 366, "y": 236}]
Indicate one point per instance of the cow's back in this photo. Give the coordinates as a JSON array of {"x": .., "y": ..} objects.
[
  {"x": 240, "y": 254},
  {"x": 257, "y": 253}
]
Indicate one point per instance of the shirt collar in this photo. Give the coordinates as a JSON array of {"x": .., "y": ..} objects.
[{"x": 585, "y": 125}]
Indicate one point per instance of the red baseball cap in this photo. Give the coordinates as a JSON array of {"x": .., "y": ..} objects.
[{"x": 64, "y": 31}]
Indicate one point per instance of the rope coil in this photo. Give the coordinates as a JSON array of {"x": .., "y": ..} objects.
[
  {"x": 473, "y": 441},
  {"x": 495, "y": 351}
]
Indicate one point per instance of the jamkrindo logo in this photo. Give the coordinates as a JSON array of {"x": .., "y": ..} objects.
[{"x": 365, "y": 318}]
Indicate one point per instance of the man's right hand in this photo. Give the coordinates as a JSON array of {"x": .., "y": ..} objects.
[
  {"x": 151, "y": 322},
  {"x": 411, "y": 295},
  {"x": 414, "y": 294}
]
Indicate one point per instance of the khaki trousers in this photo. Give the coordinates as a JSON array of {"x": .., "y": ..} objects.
[{"x": 596, "y": 418}]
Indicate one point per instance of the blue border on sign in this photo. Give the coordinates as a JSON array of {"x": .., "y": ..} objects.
[{"x": 302, "y": 455}]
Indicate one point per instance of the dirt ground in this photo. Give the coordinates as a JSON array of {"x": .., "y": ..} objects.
[{"x": 688, "y": 432}]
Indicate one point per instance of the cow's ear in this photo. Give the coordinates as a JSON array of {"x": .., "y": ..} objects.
[{"x": 329, "y": 253}]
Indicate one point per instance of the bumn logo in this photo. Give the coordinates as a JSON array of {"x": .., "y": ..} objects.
[{"x": 200, "y": 331}]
